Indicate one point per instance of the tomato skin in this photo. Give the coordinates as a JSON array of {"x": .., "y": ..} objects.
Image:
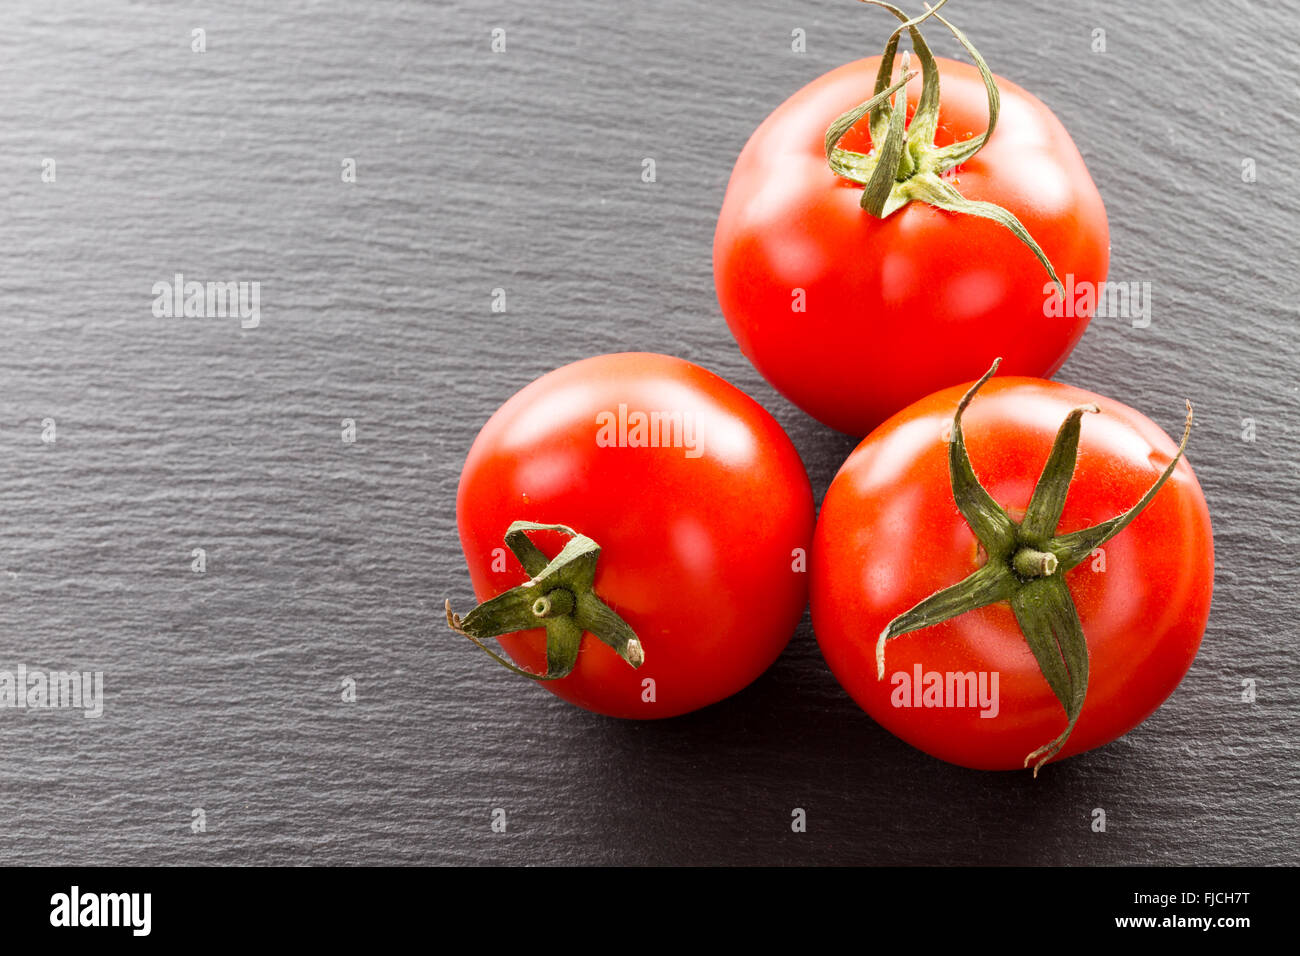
[
  {"x": 889, "y": 535},
  {"x": 696, "y": 551},
  {"x": 895, "y": 309}
]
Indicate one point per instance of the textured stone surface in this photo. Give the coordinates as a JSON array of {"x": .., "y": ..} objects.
[{"x": 521, "y": 170}]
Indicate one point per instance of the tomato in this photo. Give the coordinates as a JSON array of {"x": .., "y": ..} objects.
[
  {"x": 703, "y": 524},
  {"x": 851, "y": 316},
  {"x": 888, "y": 537}
]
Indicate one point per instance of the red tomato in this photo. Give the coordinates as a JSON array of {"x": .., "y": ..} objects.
[
  {"x": 889, "y": 536},
  {"x": 853, "y": 317},
  {"x": 703, "y": 528}
]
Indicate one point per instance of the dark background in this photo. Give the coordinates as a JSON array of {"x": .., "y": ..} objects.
[{"x": 522, "y": 170}]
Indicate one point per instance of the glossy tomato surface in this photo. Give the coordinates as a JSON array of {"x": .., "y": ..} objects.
[
  {"x": 704, "y": 538},
  {"x": 895, "y": 309},
  {"x": 889, "y": 535}
]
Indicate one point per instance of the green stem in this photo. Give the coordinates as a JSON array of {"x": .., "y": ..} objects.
[
  {"x": 905, "y": 165},
  {"x": 555, "y": 603},
  {"x": 558, "y": 596},
  {"x": 1030, "y": 563}
]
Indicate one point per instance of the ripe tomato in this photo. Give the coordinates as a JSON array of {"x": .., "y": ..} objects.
[
  {"x": 888, "y": 537},
  {"x": 852, "y": 317},
  {"x": 703, "y": 521}
]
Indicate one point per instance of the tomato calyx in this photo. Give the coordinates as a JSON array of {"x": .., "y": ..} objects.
[
  {"x": 558, "y": 596},
  {"x": 1026, "y": 565},
  {"x": 905, "y": 165}
]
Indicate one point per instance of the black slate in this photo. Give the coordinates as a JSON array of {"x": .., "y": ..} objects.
[{"x": 522, "y": 170}]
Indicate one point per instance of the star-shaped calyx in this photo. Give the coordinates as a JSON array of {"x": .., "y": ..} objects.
[
  {"x": 558, "y": 596},
  {"x": 1027, "y": 563},
  {"x": 905, "y": 165}
]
